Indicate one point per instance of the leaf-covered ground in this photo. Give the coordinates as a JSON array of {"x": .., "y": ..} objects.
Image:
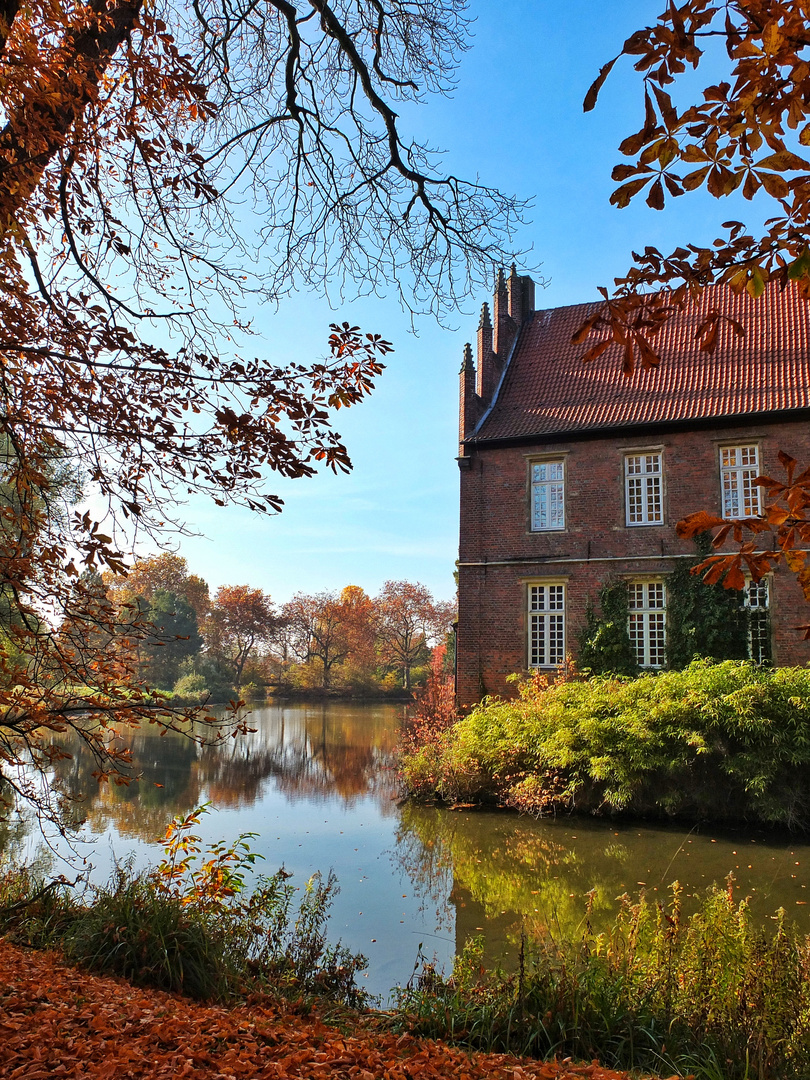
[{"x": 58, "y": 1021}]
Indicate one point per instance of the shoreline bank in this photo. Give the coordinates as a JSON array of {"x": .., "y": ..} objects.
[{"x": 53, "y": 1016}]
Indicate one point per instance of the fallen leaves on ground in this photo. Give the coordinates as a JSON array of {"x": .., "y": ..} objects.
[{"x": 58, "y": 1021}]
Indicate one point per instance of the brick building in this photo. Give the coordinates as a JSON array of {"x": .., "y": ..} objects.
[{"x": 572, "y": 475}]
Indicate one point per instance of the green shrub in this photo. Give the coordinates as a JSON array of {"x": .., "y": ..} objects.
[
  {"x": 192, "y": 688},
  {"x": 208, "y": 675},
  {"x": 703, "y": 620},
  {"x": 133, "y": 929},
  {"x": 714, "y": 995},
  {"x": 253, "y": 692},
  {"x": 726, "y": 741}
]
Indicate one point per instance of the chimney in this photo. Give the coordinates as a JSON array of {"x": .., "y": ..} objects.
[
  {"x": 486, "y": 367},
  {"x": 515, "y": 289},
  {"x": 528, "y": 296},
  {"x": 521, "y": 297},
  {"x": 513, "y": 303},
  {"x": 469, "y": 408}
]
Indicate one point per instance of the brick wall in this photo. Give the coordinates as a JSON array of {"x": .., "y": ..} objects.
[{"x": 499, "y": 554}]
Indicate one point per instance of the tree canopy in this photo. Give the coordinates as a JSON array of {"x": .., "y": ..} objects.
[
  {"x": 408, "y": 622},
  {"x": 241, "y": 618},
  {"x": 164, "y": 170}
]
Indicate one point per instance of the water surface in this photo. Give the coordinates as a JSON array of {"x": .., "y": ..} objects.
[{"x": 317, "y": 784}]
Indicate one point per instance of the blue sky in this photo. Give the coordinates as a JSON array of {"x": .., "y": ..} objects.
[{"x": 516, "y": 121}]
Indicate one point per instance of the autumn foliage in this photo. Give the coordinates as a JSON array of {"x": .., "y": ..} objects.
[
  {"x": 240, "y": 620},
  {"x": 94, "y": 1026},
  {"x": 388, "y": 635},
  {"x": 434, "y": 708},
  {"x": 132, "y": 140},
  {"x": 747, "y": 132},
  {"x": 784, "y": 523}
]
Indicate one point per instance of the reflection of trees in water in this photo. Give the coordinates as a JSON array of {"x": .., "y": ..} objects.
[
  {"x": 509, "y": 873},
  {"x": 165, "y": 782},
  {"x": 506, "y": 866},
  {"x": 15, "y": 829},
  {"x": 306, "y": 753}
]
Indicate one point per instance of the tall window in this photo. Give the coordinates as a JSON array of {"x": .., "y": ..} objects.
[
  {"x": 546, "y": 625},
  {"x": 647, "y": 625},
  {"x": 642, "y": 482},
  {"x": 757, "y": 600},
  {"x": 548, "y": 495},
  {"x": 739, "y": 467}
]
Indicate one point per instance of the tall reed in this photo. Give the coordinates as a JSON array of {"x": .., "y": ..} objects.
[{"x": 713, "y": 995}]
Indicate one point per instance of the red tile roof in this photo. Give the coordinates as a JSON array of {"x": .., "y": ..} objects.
[{"x": 547, "y": 390}]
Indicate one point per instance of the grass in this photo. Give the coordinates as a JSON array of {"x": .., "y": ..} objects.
[
  {"x": 713, "y": 995},
  {"x": 191, "y": 925}
]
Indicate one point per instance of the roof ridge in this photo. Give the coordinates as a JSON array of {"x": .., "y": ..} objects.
[{"x": 565, "y": 307}]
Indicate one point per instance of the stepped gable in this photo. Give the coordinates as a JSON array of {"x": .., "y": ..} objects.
[{"x": 548, "y": 391}]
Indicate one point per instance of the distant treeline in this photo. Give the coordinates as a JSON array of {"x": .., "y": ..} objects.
[{"x": 239, "y": 642}]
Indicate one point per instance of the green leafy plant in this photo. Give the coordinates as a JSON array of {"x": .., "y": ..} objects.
[
  {"x": 604, "y": 641},
  {"x": 703, "y": 620},
  {"x": 713, "y": 995},
  {"x": 193, "y": 924},
  {"x": 727, "y": 741}
]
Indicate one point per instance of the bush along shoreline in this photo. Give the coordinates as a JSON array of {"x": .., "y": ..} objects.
[
  {"x": 713, "y": 996},
  {"x": 727, "y": 743}
]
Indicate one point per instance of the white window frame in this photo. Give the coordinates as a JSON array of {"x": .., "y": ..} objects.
[
  {"x": 546, "y": 608},
  {"x": 739, "y": 467},
  {"x": 647, "y": 621},
  {"x": 644, "y": 488},
  {"x": 547, "y": 495},
  {"x": 757, "y": 601}
]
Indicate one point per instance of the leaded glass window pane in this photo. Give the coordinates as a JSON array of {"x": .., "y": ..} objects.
[
  {"x": 546, "y": 625},
  {"x": 757, "y": 600},
  {"x": 647, "y": 625},
  {"x": 548, "y": 495},
  {"x": 739, "y": 468},
  {"x": 642, "y": 474}
]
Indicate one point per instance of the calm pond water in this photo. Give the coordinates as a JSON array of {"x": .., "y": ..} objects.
[{"x": 316, "y": 782}]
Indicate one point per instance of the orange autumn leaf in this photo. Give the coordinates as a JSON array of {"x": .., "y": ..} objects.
[
  {"x": 741, "y": 130},
  {"x": 96, "y": 1027}
]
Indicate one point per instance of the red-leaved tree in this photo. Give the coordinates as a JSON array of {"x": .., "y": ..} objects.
[{"x": 409, "y": 622}]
